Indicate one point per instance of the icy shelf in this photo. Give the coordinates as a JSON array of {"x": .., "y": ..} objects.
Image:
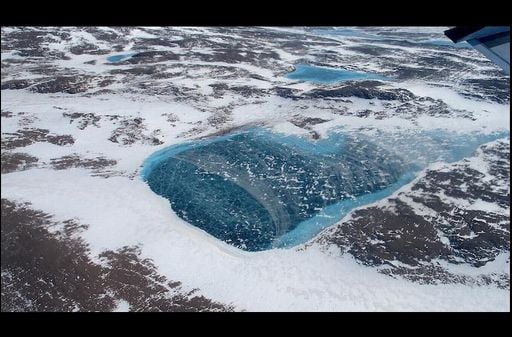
[
  {"x": 258, "y": 190},
  {"x": 316, "y": 74}
]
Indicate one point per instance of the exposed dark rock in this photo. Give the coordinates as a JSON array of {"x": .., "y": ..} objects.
[
  {"x": 432, "y": 274},
  {"x": 52, "y": 272},
  {"x": 314, "y": 135},
  {"x": 294, "y": 45},
  {"x": 371, "y": 50},
  {"x": 304, "y": 122},
  {"x": 65, "y": 84},
  {"x": 151, "y": 57},
  {"x": 405, "y": 72},
  {"x": 29, "y": 136},
  {"x": 221, "y": 117},
  {"x": 286, "y": 92},
  {"x": 248, "y": 91},
  {"x": 160, "y": 42},
  {"x": 435, "y": 108},
  {"x": 403, "y": 236},
  {"x": 104, "y": 35},
  {"x": 443, "y": 229},
  {"x": 17, "y": 161},
  {"x": 83, "y": 119},
  {"x": 29, "y": 42},
  {"x": 60, "y": 139},
  {"x": 493, "y": 89},
  {"x": 366, "y": 90},
  {"x": 148, "y": 70},
  {"x": 171, "y": 117},
  {"x": 131, "y": 131},
  {"x": 100, "y": 92},
  {"x": 49, "y": 71},
  {"x": 232, "y": 54},
  {"x": 106, "y": 82},
  {"x": 258, "y": 77},
  {"x": 88, "y": 48},
  {"x": 118, "y": 48},
  {"x": 437, "y": 182},
  {"x": 17, "y": 84},
  {"x": 22, "y": 39},
  {"x": 219, "y": 89},
  {"x": 75, "y": 160}
]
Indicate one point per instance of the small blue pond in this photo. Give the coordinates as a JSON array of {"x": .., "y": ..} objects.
[
  {"x": 305, "y": 72},
  {"x": 119, "y": 57},
  {"x": 259, "y": 190}
]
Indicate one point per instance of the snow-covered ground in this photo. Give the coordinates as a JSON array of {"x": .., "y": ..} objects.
[{"x": 195, "y": 82}]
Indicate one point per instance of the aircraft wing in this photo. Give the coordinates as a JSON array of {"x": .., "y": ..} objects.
[{"x": 492, "y": 41}]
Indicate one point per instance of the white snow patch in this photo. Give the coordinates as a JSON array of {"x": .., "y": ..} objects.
[
  {"x": 141, "y": 34},
  {"x": 481, "y": 205},
  {"x": 122, "y": 306},
  {"x": 126, "y": 212}
]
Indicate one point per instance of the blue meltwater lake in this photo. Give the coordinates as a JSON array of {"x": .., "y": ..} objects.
[
  {"x": 120, "y": 57},
  {"x": 258, "y": 190},
  {"x": 315, "y": 74}
]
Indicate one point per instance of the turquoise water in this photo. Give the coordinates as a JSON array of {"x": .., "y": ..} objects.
[
  {"x": 306, "y": 230},
  {"x": 316, "y": 74},
  {"x": 119, "y": 57},
  {"x": 419, "y": 149},
  {"x": 258, "y": 190}
]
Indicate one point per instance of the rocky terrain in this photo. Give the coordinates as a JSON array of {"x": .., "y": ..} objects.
[
  {"x": 455, "y": 214},
  {"x": 82, "y": 232},
  {"x": 43, "y": 271}
]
